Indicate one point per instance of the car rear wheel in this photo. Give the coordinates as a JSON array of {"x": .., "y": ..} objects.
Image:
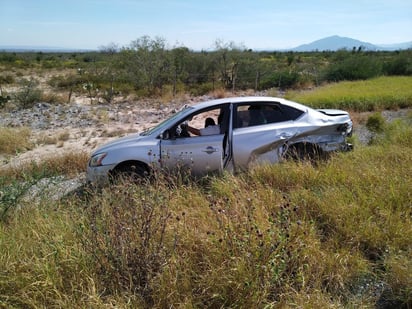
[{"x": 305, "y": 152}]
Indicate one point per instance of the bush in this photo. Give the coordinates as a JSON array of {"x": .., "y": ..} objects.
[
  {"x": 29, "y": 94},
  {"x": 376, "y": 123},
  {"x": 282, "y": 80},
  {"x": 66, "y": 82},
  {"x": 201, "y": 89},
  {"x": 401, "y": 65},
  {"x": 354, "y": 67},
  {"x": 4, "y": 99},
  {"x": 6, "y": 79},
  {"x": 125, "y": 232}
]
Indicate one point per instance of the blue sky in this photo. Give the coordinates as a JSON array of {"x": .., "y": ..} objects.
[{"x": 198, "y": 24}]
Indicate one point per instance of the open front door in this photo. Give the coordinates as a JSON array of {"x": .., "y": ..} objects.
[
  {"x": 227, "y": 130},
  {"x": 198, "y": 155}
]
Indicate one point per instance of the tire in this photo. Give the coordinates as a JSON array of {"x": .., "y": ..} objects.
[
  {"x": 305, "y": 152},
  {"x": 134, "y": 172}
]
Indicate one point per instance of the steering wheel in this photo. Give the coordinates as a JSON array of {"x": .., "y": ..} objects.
[{"x": 182, "y": 130}]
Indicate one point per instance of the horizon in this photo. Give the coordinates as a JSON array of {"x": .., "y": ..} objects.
[
  {"x": 91, "y": 24},
  {"x": 51, "y": 49}
]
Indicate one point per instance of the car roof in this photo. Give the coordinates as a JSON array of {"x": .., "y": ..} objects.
[{"x": 246, "y": 99}]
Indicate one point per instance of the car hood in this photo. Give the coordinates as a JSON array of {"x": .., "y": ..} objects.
[{"x": 120, "y": 143}]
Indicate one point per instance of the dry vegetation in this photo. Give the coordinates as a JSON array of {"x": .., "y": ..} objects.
[
  {"x": 290, "y": 235},
  {"x": 336, "y": 234},
  {"x": 332, "y": 235}
]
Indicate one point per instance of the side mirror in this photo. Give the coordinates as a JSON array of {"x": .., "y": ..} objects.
[{"x": 167, "y": 134}]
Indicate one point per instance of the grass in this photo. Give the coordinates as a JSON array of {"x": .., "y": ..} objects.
[
  {"x": 333, "y": 235},
  {"x": 68, "y": 164},
  {"x": 14, "y": 140},
  {"x": 16, "y": 181},
  {"x": 369, "y": 95}
]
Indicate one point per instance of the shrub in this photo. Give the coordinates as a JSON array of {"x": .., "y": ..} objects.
[
  {"x": 29, "y": 94},
  {"x": 354, "y": 67},
  {"x": 376, "y": 123},
  {"x": 6, "y": 79},
  {"x": 4, "y": 99},
  {"x": 401, "y": 65},
  {"x": 201, "y": 89},
  {"x": 282, "y": 80},
  {"x": 65, "y": 82},
  {"x": 125, "y": 232}
]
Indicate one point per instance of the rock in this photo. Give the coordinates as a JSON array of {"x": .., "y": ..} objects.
[{"x": 52, "y": 189}]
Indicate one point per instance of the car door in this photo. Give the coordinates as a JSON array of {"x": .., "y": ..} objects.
[
  {"x": 260, "y": 132},
  {"x": 194, "y": 147},
  {"x": 198, "y": 155}
]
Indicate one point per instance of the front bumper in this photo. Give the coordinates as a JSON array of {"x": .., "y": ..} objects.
[{"x": 98, "y": 175}]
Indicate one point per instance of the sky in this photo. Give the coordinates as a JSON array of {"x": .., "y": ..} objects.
[{"x": 199, "y": 24}]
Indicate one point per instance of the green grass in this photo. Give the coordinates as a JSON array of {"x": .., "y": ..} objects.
[
  {"x": 333, "y": 235},
  {"x": 369, "y": 95}
]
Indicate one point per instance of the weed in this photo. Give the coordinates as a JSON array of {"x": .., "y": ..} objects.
[{"x": 125, "y": 232}]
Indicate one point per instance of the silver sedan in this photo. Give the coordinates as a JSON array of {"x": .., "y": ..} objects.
[{"x": 225, "y": 134}]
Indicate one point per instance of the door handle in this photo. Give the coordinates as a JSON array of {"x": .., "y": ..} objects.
[{"x": 210, "y": 150}]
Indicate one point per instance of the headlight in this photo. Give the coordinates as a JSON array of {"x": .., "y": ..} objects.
[{"x": 96, "y": 160}]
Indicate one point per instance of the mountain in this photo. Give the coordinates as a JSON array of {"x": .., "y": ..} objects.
[{"x": 336, "y": 42}]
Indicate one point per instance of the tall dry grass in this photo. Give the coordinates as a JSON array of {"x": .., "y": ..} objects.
[{"x": 14, "y": 140}]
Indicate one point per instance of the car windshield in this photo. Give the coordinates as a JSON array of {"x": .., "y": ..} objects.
[{"x": 166, "y": 123}]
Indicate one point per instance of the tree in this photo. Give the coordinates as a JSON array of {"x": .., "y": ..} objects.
[
  {"x": 146, "y": 60},
  {"x": 179, "y": 61},
  {"x": 109, "y": 72},
  {"x": 228, "y": 58}
]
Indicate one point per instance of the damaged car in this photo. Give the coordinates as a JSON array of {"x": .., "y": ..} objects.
[{"x": 225, "y": 134}]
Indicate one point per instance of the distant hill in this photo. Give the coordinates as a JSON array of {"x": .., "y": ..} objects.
[
  {"x": 336, "y": 42},
  {"x": 407, "y": 45}
]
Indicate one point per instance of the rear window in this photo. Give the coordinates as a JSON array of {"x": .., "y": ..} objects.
[{"x": 260, "y": 113}]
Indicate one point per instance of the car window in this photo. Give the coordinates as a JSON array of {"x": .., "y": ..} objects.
[
  {"x": 205, "y": 122},
  {"x": 260, "y": 113},
  {"x": 166, "y": 122}
]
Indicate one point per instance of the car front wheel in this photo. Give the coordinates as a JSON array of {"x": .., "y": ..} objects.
[{"x": 130, "y": 171}]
